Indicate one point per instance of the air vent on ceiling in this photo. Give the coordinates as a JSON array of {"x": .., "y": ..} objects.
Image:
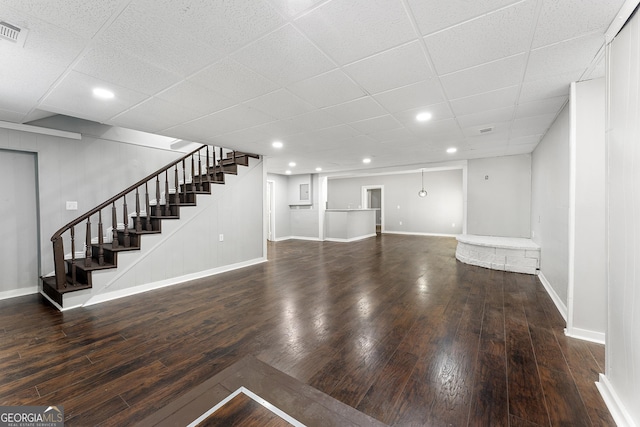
[
  {"x": 486, "y": 130},
  {"x": 13, "y": 33}
]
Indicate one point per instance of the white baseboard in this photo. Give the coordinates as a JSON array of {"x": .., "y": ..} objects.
[
  {"x": 412, "y": 233},
  {"x": 561, "y": 306},
  {"x": 618, "y": 411},
  {"x": 353, "y": 239},
  {"x": 18, "y": 292},
  {"x": 108, "y": 296},
  {"x": 313, "y": 239},
  {"x": 585, "y": 334}
]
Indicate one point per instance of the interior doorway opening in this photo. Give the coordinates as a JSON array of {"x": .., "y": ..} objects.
[{"x": 373, "y": 198}]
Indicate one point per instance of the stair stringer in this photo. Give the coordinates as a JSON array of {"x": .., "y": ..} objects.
[{"x": 189, "y": 248}]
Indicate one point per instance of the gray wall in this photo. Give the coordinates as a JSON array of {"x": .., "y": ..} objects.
[
  {"x": 295, "y": 221},
  {"x": 623, "y": 168},
  {"x": 88, "y": 171},
  {"x": 588, "y": 287},
  {"x": 441, "y": 212},
  {"x": 501, "y": 204},
  {"x": 191, "y": 247},
  {"x": 550, "y": 205},
  {"x": 19, "y": 263}
]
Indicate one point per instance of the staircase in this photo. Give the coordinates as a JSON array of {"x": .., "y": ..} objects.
[{"x": 175, "y": 186}]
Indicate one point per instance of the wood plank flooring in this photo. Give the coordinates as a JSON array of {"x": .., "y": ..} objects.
[{"x": 393, "y": 326}]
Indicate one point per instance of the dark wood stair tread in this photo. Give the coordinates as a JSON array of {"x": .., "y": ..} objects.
[
  {"x": 165, "y": 216},
  {"x": 79, "y": 263},
  {"x": 50, "y": 281},
  {"x": 119, "y": 248}
]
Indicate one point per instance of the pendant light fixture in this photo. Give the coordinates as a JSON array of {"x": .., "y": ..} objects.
[{"x": 423, "y": 192}]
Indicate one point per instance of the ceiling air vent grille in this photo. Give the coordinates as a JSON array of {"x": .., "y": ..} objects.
[
  {"x": 486, "y": 130},
  {"x": 9, "y": 32}
]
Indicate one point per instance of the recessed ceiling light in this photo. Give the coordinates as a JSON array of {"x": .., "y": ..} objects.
[
  {"x": 288, "y": 172},
  {"x": 102, "y": 93},
  {"x": 366, "y": 160},
  {"x": 277, "y": 144},
  {"x": 318, "y": 169},
  {"x": 292, "y": 164},
  {"x": 452, "y": 150},
  {"x": 423, "y": 117}
]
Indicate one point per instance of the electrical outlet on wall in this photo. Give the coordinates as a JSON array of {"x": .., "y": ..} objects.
[{"x": 221, "y": 237}]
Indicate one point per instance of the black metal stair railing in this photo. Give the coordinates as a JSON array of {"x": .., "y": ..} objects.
[{"x": 201, "y": 165}]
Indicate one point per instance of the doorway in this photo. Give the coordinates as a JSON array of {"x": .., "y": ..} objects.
[
  {"x": 20, "y": 263},
  {"x": 372, "y": 198}
]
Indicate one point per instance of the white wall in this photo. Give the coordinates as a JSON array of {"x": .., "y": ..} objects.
[
  {"x": 499, "y": 196},
  {"x": 281, "y": 215},
  {"x": 441, "y": 212},
  {"x": 587, "y": 291},
  {"x": 622, "y": 382},
  {"x": 550, "y": 208},
  {"x": 88, "y": 171}
]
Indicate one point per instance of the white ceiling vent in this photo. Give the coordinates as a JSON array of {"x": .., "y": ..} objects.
[
  {"x": 485, "y": 130},
  {"x": 13, "y": 33}
]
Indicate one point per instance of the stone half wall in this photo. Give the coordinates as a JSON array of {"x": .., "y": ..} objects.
[{"x": 517, "y": 255}]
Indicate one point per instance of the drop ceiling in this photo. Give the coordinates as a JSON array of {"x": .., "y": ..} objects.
[{"x": 335, "y": 81}]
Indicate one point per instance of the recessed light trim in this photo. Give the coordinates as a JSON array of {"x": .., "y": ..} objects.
[
  {"x": 292, "y": 164},
  {"x": 424, "y": 116},
  {"x": 318, "y": 169},
  {"x": 103, "y": 93},
  {"x": 366, "y": 160},
  {"x": 451, "y": 150},
  {"x": 277, "y": 144},
  {"x": 288, "y": 172}
]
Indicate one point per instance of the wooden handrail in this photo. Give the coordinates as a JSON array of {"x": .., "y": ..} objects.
[{"x": 101, "y": 206}]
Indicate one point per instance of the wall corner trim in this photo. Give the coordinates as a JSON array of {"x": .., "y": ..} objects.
[
  {"x": 618, "y": 411},
  {"x": 562, "y": 308}
]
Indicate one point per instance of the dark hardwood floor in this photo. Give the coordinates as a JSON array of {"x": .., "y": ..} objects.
[{"x": 393, "y": 326}]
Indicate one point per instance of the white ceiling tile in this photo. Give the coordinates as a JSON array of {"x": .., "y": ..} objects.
[
  {"x": 12, "y": 116},
  {"x": 485, "y": 78},
  {"x": 527, "y": 126},
  {"x": 308, "y": 122},
  {"x": 563, "y": 57},
  {"x": 232, "y": 119},
  {"x": 153, "y": 115},
  {"x": 22, "y": 94},
  {"x": 500, "y": 131},
  {"x": 82, "y": 17},
  {"x": 157, "y": 42},
  {"x": 349, "y": 30},
  {"x": 280, "y": 104},
  {"x": 358, "y": 109},
  {"x": 45, "y": 42},
  {"x": 391, "y": 135},
  {"x": 279, "y": 129},
  {"x": 438, "y": 112},
  {"x": 242, "y": 136},
  {"x": 293, "y": 8},
  {"x": 73, "y": 96},
  {"x": 233, "y": 80},
  {"x": 285, "y": 56},
  {"x": 327, "y": 89},
  {"x": 548, "y": 86},
  {"x": 391, "y": 69},
  {"x": 542, "y": 106},
  {"x": 195, "y": 97},
  {"x": 223, "y": 26},
  {"x": 487, "y": 117},
  {"x": 520, "y": 149},
  {"x": 417, "y": 95},
  {"x": 118, "y": 67},
  {"x": 332, "y": 136},
  {"x": 489, "y": 100},
  {"x": 442, "y": 130},
  {"x": 494, "y": 36},
  {"x": 528, "y": 140},
  {"x": 562, "y": 20},
  {"x": 376, "y": 124},
  {"x": 434, "y": 15}
]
